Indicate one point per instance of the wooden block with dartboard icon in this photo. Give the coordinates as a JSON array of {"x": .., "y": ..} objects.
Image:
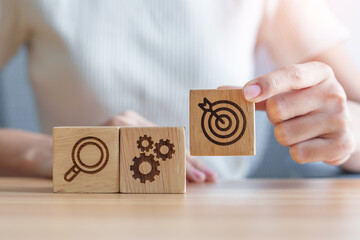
[
  {"x": 152, "y": 160},
  {"x": 86, "y": 159},
  {"x": 222, "y": 123}
]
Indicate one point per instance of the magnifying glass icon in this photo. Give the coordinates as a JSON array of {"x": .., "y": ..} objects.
[{"x": 79, "y": 165}]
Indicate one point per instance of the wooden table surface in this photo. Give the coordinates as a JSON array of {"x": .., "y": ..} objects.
[{"x": 248, "y": 209}]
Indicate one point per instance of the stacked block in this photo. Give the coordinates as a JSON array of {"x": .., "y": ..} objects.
[
  {"x": 86, "y": 159},
  {"x": 222, "y": 123},
  {"x": 155, "y": 158}
]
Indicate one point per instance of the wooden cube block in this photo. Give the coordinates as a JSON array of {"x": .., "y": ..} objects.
[
  {"x": 152, "y": 160},
  {"x": 86, "y": 159},
  {"x": 222, "y": 123}
]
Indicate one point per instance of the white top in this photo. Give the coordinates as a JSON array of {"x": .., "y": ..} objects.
[{"x": 90, "y": 60}]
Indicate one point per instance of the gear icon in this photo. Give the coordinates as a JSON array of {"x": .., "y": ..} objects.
[
  {"x": 147, "y": 147},
  {"x": 170, "y": 149},
  {"x": 154, "y": 168}
]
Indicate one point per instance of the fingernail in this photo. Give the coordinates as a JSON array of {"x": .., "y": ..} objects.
[
  {"x": 211, "y": 176},
  {"x": 209, "y": 172},
  {"x": 252, "y": 91},
  {"x": 199, "y": 175}
]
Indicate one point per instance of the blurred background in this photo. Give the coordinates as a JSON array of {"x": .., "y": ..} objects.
[{"x": 18, "y": 109}]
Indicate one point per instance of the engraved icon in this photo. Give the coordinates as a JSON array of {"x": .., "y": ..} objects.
[
  {"x": 150, "y": 176},
  {"x": 145, "y": 147},
  {"x": 164, "y": 150},
  {"x": 81, "y": 165},
  {"x": 223, "y": 122},
  {"x": 159, "y": 149}
]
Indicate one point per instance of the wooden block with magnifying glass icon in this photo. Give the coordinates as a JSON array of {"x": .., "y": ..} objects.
[
  {"x": 152, "y": 160},
  {"x": 222, "y": 123},
  {"x": 86, "y": 159}
]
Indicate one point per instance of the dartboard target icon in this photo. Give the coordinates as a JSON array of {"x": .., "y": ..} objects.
[{"x": 223, "y": 122}]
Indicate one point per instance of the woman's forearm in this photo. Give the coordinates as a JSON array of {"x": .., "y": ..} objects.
[
  {"x": 25, "y": 153},
  {"x": 349, "y": 77},
  {"x": 353, "y": 164}
]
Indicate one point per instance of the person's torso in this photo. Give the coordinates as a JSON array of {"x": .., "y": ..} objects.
[
  {"x": 109, "y": 56},
  {"x": 91, "y": 60}
]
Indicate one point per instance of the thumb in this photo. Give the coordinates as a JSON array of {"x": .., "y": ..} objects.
[{"x": 260, "y": 106}]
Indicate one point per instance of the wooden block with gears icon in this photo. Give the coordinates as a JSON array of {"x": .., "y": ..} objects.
[
  {"x": 86, "y": 159},
  {"x": 222, "y": 123},
  {"x": 152, "y": 160}
]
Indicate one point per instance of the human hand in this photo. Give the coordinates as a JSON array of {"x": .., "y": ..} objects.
[
  {"x": 309, "y": 110},
  {"x": 196, "y": 170}
]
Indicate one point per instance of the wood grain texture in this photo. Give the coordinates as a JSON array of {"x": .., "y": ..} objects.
[
  {"x": 86, "y": 159},
  {"x": 152, "y": 160},
  {"x": 222, "y": 123},
  {"x": 249, "y": 209}
]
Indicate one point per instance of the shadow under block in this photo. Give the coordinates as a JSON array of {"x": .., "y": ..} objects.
[
  {"x": 222, "y": 123},
  {"x": 86, "y": 159},
  {"x": 152, "y": 160}
]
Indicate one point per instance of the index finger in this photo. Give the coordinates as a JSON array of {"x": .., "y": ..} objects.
[{"x": 291, "y": 77}]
